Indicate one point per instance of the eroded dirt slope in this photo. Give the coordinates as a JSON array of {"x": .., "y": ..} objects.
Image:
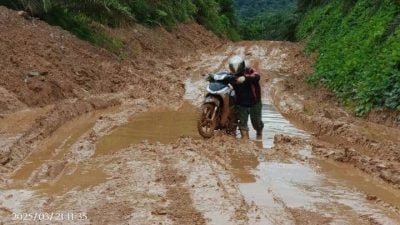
[{"x": 41, "y": 64}]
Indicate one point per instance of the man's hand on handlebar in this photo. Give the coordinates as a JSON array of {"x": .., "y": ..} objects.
[{"x": 240, "y": 79}]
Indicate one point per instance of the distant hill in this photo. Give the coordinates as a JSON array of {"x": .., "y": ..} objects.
[{"x": 250, "y": 8}]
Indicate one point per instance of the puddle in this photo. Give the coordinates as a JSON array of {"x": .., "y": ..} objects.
[
  {"x": 363, "y": 182},
  {"x": 330, "y": 189},
  {"x": 18, "y": 122},
  {"x": 301, "y": 186},
  {"x": 275, "y": 123},
  {"x": 39, "y": 168},
  {"x": 162, "y": 126},
  {"x": 57, "y": 144},
  {"x": 242, "y": 166},
  {"x": 73, "y": 177},
  {"x": 13, "y": 125},
  {"x": 379, "y": 132},
  {"x": 278, "y": 185}
]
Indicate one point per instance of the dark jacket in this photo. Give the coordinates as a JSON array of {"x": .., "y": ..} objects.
[{"x": 248, "y": 93}]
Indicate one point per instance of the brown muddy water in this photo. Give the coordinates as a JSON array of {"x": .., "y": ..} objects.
[
  {"x": 57, "y": 145},
  {"x": 161, "y": 125},
  {"x": 51, "y": 153}
]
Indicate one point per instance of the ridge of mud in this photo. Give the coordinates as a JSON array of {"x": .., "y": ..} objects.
[
  {"x": 47, "y": 124},
  {"x": 370, "y": 147}
]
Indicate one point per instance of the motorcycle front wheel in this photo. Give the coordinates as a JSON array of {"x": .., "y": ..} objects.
[{"x": 206, "y": 123}]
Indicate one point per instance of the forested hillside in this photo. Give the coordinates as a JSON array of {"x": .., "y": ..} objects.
[
  {"x": 267, "y": 19},
  {"x": 77, "y": 15},
  {"x": 358, "y": 46},
  {"x": 279, "y": 25},
  {"x": 247, "y": 9}
]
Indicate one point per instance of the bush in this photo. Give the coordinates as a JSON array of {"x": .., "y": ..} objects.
[
  {"x": 358, "y": 46},
  {"x": 75, "y": 15},
  {"x": 79, "y": 25},
  {"x": 210, "y": 13}
]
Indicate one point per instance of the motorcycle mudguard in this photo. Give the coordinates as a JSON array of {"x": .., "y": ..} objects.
[
  {"x": 226, "y": 111},
  {"x": 211, "y": 99}
]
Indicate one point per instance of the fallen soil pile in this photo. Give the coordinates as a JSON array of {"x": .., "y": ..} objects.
[{"x": 41, "y": 64}]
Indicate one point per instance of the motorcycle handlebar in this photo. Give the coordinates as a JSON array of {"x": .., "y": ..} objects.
[{"x": 227, "y": 79}]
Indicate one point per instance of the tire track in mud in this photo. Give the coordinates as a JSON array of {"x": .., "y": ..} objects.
[
  {"x": 180, "y": 208},
  {"x": 209, "y": 181}
]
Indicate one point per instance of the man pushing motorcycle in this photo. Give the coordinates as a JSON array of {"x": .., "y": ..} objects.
[{"x": 248, "y": 96}]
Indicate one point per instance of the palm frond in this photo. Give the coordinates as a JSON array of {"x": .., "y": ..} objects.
[
  {"x": 106, "y": 11},
  {"x": 101, "y": 10}
]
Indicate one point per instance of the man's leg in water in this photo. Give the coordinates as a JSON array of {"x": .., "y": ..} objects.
[
  {"x": 256, "y": 119},
  {"x": 243, "y": 116}
]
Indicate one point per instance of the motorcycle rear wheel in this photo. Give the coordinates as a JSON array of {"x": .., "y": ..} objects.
[{"x": 206, "y": 124}]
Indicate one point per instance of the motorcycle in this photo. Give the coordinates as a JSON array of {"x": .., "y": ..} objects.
[{"x": 217, "y": 110}]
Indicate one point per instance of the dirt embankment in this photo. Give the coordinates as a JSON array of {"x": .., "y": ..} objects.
[{"x": 41, "y": 64}]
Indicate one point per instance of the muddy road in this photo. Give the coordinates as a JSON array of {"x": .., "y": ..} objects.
[{"x": 142, "y": 161}]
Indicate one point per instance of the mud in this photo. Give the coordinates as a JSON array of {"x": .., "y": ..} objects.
[
  {"x": 44, "y": 64},
  {"x": 164, "y": 126},
  {"x": 134, "y": 157},
  {"x": 370, "y": 147}
]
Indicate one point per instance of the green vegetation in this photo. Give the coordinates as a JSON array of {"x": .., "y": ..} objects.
[
  {"x": 305, "y": 5},
  {"x": 358, "y": 43},
  {"x": 77, "y": 16},
  {"x": 280, "y": 25},
  {"x": 79, "y": 25},
  {"x": 359, "y": 51},
  {"x": 247, "y": 9},
  {"x": 267, "y": 19}
]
